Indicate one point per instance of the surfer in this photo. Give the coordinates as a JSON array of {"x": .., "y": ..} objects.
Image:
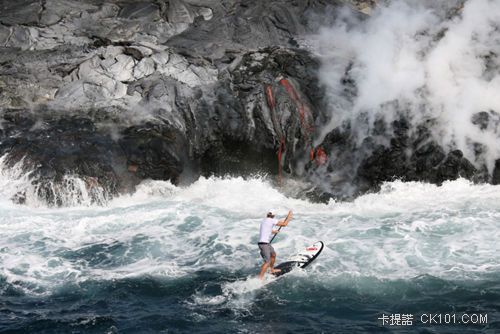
[{"x": 266, "y": 250}]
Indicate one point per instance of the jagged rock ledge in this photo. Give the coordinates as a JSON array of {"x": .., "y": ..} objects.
[{"x": 115, "y": 92}]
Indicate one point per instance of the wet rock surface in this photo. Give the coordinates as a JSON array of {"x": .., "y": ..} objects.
[{"x": 114, "y": 92}]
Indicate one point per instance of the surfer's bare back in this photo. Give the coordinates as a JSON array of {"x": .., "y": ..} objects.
[{"x": 266, "y": 250}]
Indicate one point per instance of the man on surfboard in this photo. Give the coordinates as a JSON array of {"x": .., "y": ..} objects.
[{"x": 266, "y": 250}]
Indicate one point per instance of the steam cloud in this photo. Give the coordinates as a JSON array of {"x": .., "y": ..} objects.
[{"x": 435, "y": 61}]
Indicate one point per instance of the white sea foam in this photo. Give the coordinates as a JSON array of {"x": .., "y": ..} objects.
[
  {"x": 402, "y": 232},
  {"x": 17, "y": 181},
  {"x": 237, "y": 296}
]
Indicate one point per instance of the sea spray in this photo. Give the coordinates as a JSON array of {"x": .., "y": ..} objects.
[{"x": 188, "y": 255}]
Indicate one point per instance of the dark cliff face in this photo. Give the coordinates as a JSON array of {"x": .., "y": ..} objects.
[{"x": 121, "y": 91}]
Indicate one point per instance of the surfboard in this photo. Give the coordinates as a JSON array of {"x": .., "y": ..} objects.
[{"x": 300, "y": 260}]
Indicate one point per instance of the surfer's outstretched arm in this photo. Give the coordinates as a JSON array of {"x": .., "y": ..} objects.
[{"x": 286, "y": 220}]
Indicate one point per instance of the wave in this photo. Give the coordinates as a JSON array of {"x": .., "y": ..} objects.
[
  {"x": 19, "y": 184},
  {"x": 404, "y": 231}
]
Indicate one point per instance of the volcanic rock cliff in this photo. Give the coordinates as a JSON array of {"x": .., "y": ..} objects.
[{"x": 114, "y": 92}]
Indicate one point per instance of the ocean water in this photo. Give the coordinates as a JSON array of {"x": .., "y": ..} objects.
[{"x": 184, "y": 260}]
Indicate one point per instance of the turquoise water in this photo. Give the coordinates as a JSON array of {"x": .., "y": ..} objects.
[{"x": 175, "y": 260}]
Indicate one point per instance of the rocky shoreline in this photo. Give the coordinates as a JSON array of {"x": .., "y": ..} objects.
[{"x": 117, "y": 92}]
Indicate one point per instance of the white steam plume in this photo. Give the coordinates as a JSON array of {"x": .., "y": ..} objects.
[{"x": 436, "y": 60}]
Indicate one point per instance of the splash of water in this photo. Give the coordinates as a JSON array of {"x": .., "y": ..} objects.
[
  {"x": 406, "y": 230},
  {"x": 20, "y": 184}
]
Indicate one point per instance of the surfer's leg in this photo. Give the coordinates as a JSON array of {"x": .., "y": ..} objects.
[
  {"x": 265, "y": 252},
  {"x": 263, "y": 270},
  {"x": 273, "y": 259}
]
